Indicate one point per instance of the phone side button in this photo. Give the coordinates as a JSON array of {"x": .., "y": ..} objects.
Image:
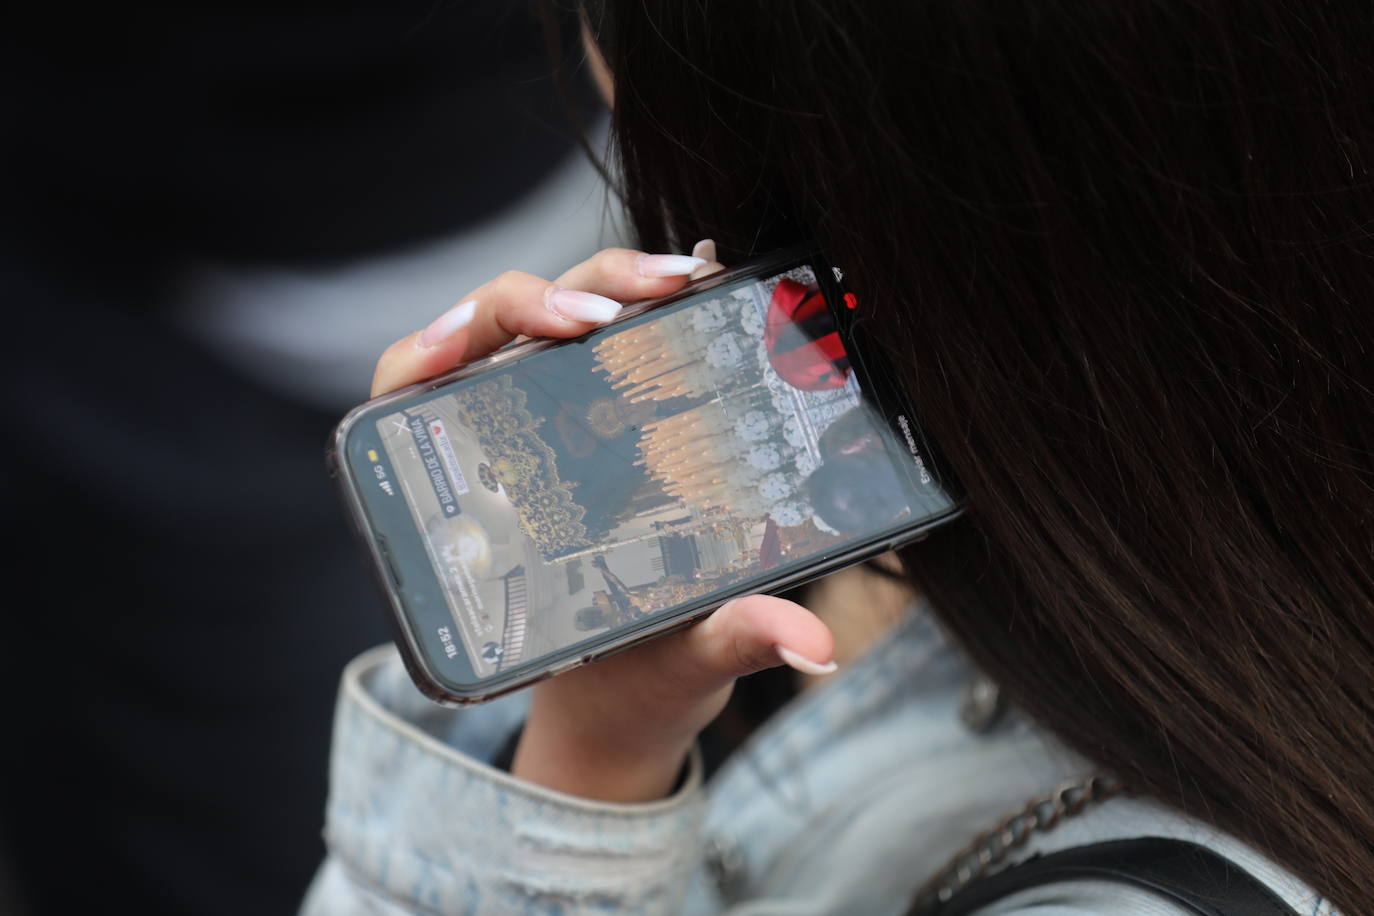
[
  {"x": 906, "y": 542},
  {"x": 598, "y": 656},
  {"x": 389, "y": 562},
  {"x": 566, "y": 666}
]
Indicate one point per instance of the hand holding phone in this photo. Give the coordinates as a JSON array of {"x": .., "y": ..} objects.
[
  {"x": 561, "y": 502},
  {"x": 618, "y": 730}
]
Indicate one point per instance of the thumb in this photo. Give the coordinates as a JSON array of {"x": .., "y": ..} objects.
[{"x": 748, "y": 635}]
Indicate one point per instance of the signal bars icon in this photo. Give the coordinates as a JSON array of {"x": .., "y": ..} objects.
[{"x": 386, "y": 487}]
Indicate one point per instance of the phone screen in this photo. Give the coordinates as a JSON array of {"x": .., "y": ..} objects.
[{"x": 664, "y": 459}]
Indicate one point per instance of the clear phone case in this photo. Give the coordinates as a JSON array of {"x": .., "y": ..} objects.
[{"x": 538, "y": 510}]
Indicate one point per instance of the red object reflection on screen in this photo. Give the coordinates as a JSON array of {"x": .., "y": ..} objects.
[{"x": 803, "y": 345}]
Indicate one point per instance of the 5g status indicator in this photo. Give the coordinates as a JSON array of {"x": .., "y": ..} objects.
[{"x": 380, "y": 473}]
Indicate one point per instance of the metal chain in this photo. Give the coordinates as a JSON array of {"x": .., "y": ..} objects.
[{"x": 990, "y": 849}]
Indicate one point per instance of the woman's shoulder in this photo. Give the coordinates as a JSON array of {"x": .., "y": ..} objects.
[
  {"x": 855, "y": 794},
  {"x": 861, "y": 786}
]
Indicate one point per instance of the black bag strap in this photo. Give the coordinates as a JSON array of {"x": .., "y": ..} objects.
[{"x": 1184, "y": 873}]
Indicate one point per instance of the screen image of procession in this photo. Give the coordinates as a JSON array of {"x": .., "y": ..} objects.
[{"x": 609, "y": 480}]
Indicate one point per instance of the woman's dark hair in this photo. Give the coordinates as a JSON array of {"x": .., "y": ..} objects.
[{"x": 1122, "y": 252}]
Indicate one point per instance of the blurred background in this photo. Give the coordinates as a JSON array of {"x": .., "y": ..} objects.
[{"x": 214, "y": 219}]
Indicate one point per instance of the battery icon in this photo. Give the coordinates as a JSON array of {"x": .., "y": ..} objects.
[{"x": 372, "y": 455}]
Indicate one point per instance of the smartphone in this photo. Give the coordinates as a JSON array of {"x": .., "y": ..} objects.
[{"x": 561, "y": 501}]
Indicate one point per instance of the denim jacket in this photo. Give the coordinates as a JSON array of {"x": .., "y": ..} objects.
[{"x": 844, "y": 802}]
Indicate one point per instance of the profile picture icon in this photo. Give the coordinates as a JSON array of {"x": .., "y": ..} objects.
[{"x": 856, "y": 487}]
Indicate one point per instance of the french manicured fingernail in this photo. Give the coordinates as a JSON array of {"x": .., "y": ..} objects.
[
  {"x": 446, "y": 325},
  {"x": 575, "y": 305},
  {"x": 666, "y": 265},
  {"x": 705, "y": 249},
  {"x": 804, "y": 664}
]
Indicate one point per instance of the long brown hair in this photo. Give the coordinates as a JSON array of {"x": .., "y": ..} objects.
[{"x": 1123, "y": 252}]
